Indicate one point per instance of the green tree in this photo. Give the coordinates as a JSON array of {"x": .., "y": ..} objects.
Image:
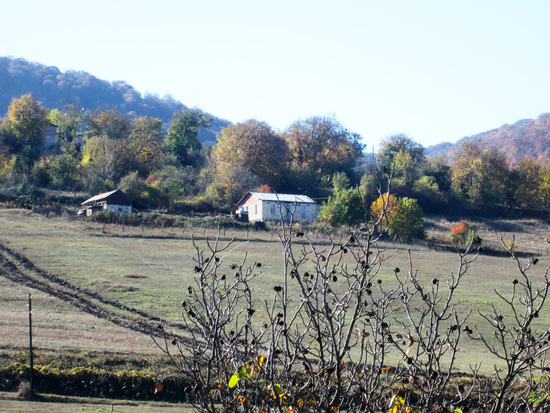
[
  {"x": 407, "y": 168},
  {"x": 182, "y": 138},
  {"x": 318, "y": 148},
  {"x": 254, "y": 146},
  {"x": 66, "y": 170},
  {"x": 428, "y": 194},
  {"x": 174, "y": 181},
  {"x": 340, "y": 182},
  {"x": 346, "y": 207},
  {"x": 403, "y": 218},
  {"x": 439, "y": 169},
  {"x": 68, "y": 120}
]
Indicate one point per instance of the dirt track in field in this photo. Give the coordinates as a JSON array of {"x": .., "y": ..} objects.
[{"x": 19, "y": 269}]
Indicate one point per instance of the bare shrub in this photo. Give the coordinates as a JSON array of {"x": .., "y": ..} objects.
[{"x": 336, "y": 336}]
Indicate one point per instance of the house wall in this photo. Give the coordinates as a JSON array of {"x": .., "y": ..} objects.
[
  {"x": 119, "y": 209},
  {"x": 271, "y": 211}
]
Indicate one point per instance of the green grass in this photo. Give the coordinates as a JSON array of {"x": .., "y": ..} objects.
[{"x": 151, "y": 271}]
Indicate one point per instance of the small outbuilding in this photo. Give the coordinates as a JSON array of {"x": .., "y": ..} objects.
[
  {"x": 116, "y": 201},
  {"x": 260, "y": 206}
]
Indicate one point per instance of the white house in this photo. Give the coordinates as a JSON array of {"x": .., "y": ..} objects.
[
  {"x": 116, "y": 201},
  {"x": 260, "y": 206}
]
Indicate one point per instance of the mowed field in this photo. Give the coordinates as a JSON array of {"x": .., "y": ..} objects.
[{"x": 150, "y": 270}]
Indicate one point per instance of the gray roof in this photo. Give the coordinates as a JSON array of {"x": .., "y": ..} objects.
[
  {"x": 114, "y": 197},
  {"x": 299, "y": 199}
]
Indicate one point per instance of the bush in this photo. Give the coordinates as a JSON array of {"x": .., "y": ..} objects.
[
  {"x": 401, "y": 217},
  {"x": 407, "y": 220}
]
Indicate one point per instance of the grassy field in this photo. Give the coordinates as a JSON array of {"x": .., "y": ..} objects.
[
  {"x": 151, "y": 270},
  {"x": 10, "y": 403}
]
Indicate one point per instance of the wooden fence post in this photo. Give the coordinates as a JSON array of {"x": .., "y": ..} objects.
[{"x": 31, "y": 378}]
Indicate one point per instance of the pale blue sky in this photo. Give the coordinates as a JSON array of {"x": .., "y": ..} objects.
[{"x": 435, "y": 70}]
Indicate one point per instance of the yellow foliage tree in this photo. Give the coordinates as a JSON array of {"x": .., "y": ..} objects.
[{"x": 383, "y": 206}]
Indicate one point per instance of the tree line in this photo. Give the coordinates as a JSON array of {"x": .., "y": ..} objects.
[{"x": 100, "y": 150}]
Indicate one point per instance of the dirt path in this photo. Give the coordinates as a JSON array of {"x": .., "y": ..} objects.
[{"x": 17, "y": 268}]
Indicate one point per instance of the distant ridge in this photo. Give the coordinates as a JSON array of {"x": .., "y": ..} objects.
[
  {"x": 526, "y": 137},
  {"x": 56, "y": 89}
]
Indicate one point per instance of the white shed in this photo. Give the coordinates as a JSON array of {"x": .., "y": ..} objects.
[
  {"x": 116, "y": 201},
  {"x": 260, "y": 206}
]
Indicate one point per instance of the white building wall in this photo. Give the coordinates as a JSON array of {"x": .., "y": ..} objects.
[
  {"x": 119, "y": 209},
  {"x": 271, "y": 211}
]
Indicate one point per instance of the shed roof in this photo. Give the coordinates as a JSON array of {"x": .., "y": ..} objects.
[
  {"x": 264, "y": 196},
  {"x": 116, "y": 197}
]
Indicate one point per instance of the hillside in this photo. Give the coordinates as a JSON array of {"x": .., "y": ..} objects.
[
  {"x": 56, "y": 89},
  {"x": 527, "y": 137}
]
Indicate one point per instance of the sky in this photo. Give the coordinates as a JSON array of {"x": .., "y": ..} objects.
[{"x": 434, "y": 70}]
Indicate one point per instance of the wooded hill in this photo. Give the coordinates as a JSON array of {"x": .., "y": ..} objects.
[
  {"x": 56, "y": 89},
  {"x": 527, "y": 137}
]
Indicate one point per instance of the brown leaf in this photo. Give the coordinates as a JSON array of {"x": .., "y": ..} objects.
[{"x": 158, "y": 387}]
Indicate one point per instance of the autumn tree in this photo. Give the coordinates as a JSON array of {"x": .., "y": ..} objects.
[
  {"x": 481, "y": 174},
  {"x": 383, "y": 208},
  {"x": 23, "y": 131},
  {"x": 394, "y": 144},
  {"x": 525, "y": 183},
  {"x": 116, "y": 146},
  {"x": 255, "y": 146},
  {"x": 110, "y": 124},
  {"x": 143, "y": 147},
  {"x": 229, "y": 183},
  {"x": 182, "y": 138},
  {"x": 544, "y": 186},
  {"x": 318, "y": 148}
]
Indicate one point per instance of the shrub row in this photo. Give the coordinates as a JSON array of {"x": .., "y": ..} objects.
[
  {"x": 96, "y": 382},
  {"x": 172, "y": 221}
]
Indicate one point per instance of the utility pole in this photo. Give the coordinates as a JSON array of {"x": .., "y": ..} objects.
[{"x": 30, "y": 348}]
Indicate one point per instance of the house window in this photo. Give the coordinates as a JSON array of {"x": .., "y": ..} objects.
[
  {"x": 273, "y": 209},
  {"x": 255, "y": 209},
  {"x": 303, "y": 211}
]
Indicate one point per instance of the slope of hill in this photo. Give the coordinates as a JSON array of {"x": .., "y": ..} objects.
[
  {"x": 527, "y": 137},
  {"x": 55, "y": 89}
]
